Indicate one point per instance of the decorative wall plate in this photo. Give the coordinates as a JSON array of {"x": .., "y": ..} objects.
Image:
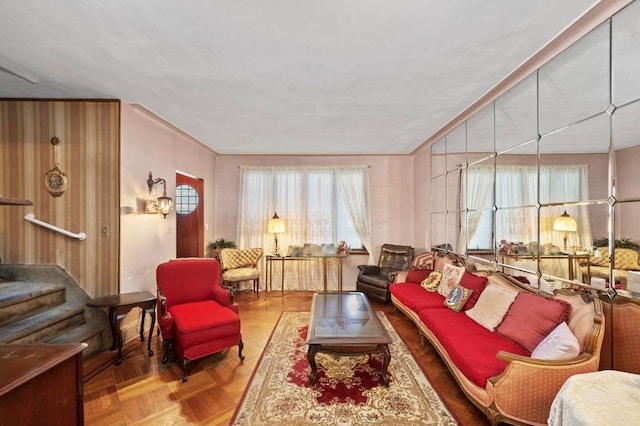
[{"x": 55, "y": 180}]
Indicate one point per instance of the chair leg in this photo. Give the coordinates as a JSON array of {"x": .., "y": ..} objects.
[
  {"x": 166, "y": 345},
  {"x": 185, "y": 369},
  {"x": 240, "y": 347}
]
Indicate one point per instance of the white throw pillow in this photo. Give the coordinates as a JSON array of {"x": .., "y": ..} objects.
[
  {"x": 561, "y": 343},
  {"x": 451, "y": 277},
  {"x": 491, "y": 307}
]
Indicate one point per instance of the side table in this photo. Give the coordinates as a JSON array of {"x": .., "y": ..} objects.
[{"x": 119, "y": 305}]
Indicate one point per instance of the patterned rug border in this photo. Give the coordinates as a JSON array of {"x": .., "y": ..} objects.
[{"x": 453, "y": 419}]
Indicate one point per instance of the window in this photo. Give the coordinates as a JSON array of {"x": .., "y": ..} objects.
[
  {"x": 318, "y": 204},
  {"x": 186, "y": 199},
  {"x": 515, "y": 196}
]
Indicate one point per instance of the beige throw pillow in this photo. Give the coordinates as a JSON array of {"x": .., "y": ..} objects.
[{"x": 491, "y": 307}]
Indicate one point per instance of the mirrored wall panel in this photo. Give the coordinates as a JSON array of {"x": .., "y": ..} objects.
[{"x": 544, "y": 181}]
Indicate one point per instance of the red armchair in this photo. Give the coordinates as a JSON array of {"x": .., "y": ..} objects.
[{"x": 195, "y": 314}]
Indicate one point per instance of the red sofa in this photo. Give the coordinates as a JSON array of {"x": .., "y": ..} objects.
[{"x": 495, "y": 372}]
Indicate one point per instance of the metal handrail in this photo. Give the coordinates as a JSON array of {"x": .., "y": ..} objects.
[{"x": 31, "y": 218}]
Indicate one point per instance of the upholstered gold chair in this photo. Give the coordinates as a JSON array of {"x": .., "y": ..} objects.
[{"x": 240, "y": 265}]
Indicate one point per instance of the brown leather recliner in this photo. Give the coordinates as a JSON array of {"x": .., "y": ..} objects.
[{"x": 374, "y": 280}]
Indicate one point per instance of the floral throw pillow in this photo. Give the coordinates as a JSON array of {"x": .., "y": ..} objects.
[
  {"x": 451, "y": 276},
  {"x": 457, "y": 297},
  {"x": 432, "y": 281}
]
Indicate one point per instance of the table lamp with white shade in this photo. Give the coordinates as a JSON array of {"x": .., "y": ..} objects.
[
  {"x": 565, "y": 223},
  {"x": 275, "y": 227}
]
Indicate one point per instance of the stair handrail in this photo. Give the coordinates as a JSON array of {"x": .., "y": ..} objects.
[{"x": 31, "y": 218}]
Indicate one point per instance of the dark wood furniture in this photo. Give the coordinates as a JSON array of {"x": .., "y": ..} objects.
[
  {"x": 345, "y": 324},
  {"x": 119, "y": 305},
  {"x": 41, "y": 384}
]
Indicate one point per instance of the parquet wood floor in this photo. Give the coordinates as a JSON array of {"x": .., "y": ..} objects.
[{"x": 143, "y": 391}]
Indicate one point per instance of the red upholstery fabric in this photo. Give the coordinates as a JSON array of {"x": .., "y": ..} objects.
[
  {"x": 415, "y": 297},
  {"x": 475, "y": 283},
  {"x": 530, "y": 319},
  {"x": 470, "y": 346},
  {"x": 191, "y": 280},
  {"x": 166, "y": 326},
  {"x": 200, "y": 316},
  {"x": 417, "y": 275}
]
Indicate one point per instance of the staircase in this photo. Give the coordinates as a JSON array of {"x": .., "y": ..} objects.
[{"x": 43, "y": 304}]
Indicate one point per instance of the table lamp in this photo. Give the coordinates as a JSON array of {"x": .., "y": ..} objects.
[
  {"x": 275, "y": 227},
  {"x": 565, "y": 223}
]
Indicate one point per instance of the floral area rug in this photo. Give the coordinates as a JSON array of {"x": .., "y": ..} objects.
[{"x": 349, "y": 389}]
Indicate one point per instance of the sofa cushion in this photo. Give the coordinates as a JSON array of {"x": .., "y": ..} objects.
[
  {"x": 492, "y": 305},
  {"x": 475, "y": 283},
  {"x": 423, "y": 261},
  {"x": 471, "y": 347},
  {"x": 531, "y": 318},
  {"x": 457, "y": 297},
  {"x": 415, "y": 297},
  {"x": 451, "y": 276},
  {"x": 417, "y": 275},
  {"x": 432, "y": 282},
  {"x": 559, "y": 344}
]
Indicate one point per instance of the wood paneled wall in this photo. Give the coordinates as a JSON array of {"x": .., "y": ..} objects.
[{"x": 89, "y": 133}]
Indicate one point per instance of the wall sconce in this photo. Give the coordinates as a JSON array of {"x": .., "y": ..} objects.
[
  {"x": 275, "y": 226},
  {"x": 164, "y": 204},
  {"x": 565, "y": 223}
]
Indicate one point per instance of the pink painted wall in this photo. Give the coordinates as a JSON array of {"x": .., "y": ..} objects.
[
  {"x": 148, "y": 143},
  {"x": 628, "y": 176}
]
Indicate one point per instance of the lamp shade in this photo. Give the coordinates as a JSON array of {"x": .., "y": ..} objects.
[
  {"x": 275, "y": 225},
  {"x": 565, "y": 223}
]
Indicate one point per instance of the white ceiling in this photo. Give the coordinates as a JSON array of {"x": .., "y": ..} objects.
[{"x": 279, "y": 76}]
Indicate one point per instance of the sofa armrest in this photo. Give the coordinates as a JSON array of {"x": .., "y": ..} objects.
[
  {"x": 369, "y": 269},
  {"x": 222, "y": 295},
  {"x": 165, "y": 319},
  {"x": 400, "y": 276},
  {"x": 539, "y": 380}
]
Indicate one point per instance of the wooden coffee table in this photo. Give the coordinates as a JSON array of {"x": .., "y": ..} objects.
[{"x": 345, "y": 324}]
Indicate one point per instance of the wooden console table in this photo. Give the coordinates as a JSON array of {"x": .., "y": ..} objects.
[
  {"x": 270, "y": 259},
  {"x": 119, "y": 305},
  {"x": 41, "y": 384}
]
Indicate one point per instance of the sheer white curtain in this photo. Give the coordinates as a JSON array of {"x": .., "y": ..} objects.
[
  {"x": 516, "y": 186},
  {"x": 354, "y": 182},
  {"x": 306, "y": 199},
  {"x": 477, "y": 196}
]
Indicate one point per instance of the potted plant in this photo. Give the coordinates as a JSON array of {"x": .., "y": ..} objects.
[{"x": 218, "y": 245}]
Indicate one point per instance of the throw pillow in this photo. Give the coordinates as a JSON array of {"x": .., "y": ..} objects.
[
  {"x": 417, "y": 275},
  {"x": 451, "y": 276},
  {"x": 561, "y": 343},
  {"x": 423, "y": 261},
  {"x": 457, "y": 297},
  {"x": 530, "y": 319},
  {"x": 432, "y": 281},
  {"x": 475, "y": 283},
  {"x": 491, "y": 307}
]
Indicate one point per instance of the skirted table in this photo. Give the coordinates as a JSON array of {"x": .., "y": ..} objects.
[{"x": 326, "y": 259}]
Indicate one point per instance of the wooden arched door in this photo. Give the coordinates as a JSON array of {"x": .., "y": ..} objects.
[{"x": 189, "y": 207}]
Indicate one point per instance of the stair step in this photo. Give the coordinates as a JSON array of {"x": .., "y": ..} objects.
[
  {"x": 86, "y": 333},
  {"x": 44, "y": 325},
  {"x": 21, "y": 299}
]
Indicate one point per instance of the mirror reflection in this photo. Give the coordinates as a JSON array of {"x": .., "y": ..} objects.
[{"x": 544, "y": 180}]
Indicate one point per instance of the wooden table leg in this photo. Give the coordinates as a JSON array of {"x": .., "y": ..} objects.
[
  {"x": 386, "y": 359},
  {"x": 311, "y": 357}
]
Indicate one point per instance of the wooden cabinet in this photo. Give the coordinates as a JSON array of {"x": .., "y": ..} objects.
[{"x": 41, "y": 384}]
